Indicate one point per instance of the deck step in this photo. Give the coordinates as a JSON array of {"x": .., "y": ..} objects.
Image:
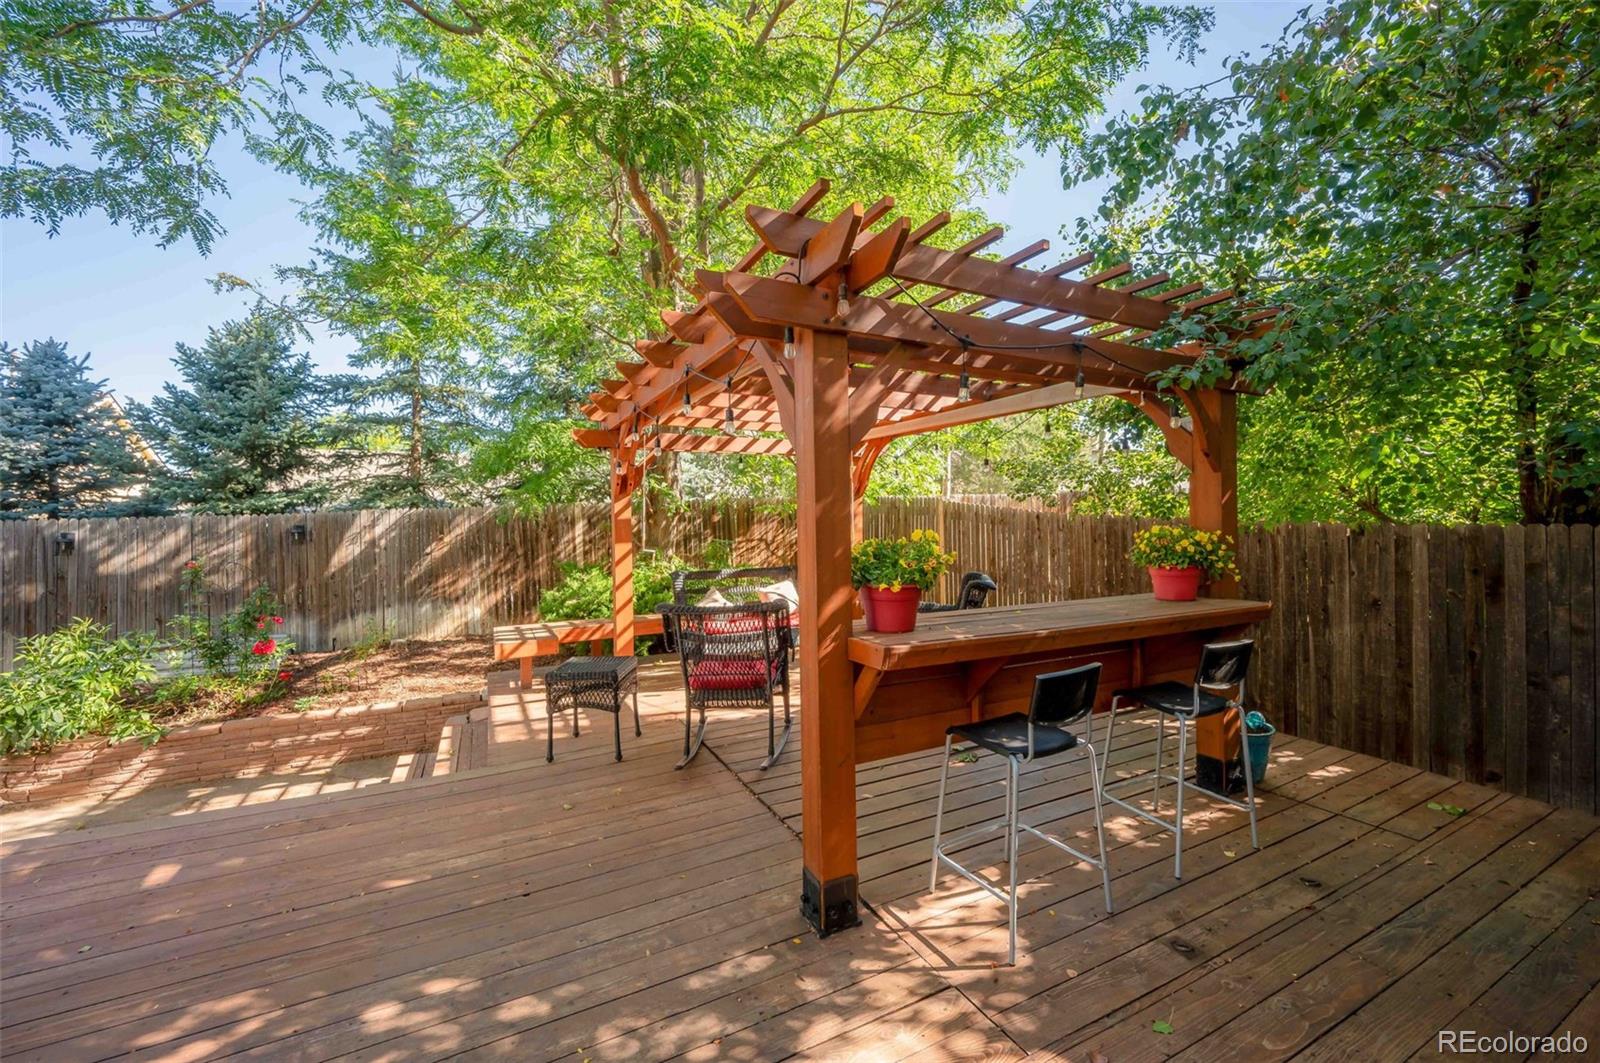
[
  {"x": 450, "y": 738},
  {"x": 412, "y": 766}
]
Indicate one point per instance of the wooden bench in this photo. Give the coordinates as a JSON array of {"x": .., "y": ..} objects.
[{"x": 524, "y": 642}]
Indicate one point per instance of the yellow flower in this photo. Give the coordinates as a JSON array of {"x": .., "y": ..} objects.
[{"x": 916, "y": 536}]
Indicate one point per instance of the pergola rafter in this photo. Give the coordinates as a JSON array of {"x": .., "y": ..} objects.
[{"x": 866, "y": 332}]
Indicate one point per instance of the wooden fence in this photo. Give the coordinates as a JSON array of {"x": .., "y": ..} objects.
[{"x": 1470, "y": 651}]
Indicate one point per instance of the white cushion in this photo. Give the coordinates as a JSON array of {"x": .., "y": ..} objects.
[
  {"x": 714, "y": 597},
  {"x": 782, "y": 591}
]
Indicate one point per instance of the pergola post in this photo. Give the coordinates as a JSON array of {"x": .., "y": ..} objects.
[
  {"x": 821, "y": 439},
  {"x": 1214, "y": 506},
  {"x": 622, "y": 610}
]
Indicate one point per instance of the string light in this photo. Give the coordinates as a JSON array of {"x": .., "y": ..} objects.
[
  {"x": 964, "y": 389},
  {"x": 688, "y": 407},
  {"x": 1176, "y": 420},
  {"x": 1077, "y": 381},
  {"x": 844, "y": 301},
  {"x": 728, "y": 424},
  {"x": 788, "y": 342}
]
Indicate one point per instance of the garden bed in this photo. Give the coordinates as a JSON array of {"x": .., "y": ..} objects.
[{"x": 396, "y": 671}]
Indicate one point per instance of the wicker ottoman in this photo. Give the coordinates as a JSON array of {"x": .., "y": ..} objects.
[{"x": 594, "y": 683}]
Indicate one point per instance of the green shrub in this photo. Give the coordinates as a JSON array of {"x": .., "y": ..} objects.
[
  {"x": 375, "y": 637},
  {"x": 74, "y": 682},
  {"x": 245, "y": 643},
  {"x": 584, "y": 592}
]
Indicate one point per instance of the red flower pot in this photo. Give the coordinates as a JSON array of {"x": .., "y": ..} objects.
[
  {"x": 891, "y": 611},
  {"x": 1176, "y": 584}
]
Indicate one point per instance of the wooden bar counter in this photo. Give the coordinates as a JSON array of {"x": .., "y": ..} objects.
[{"x": 973, "y": 664}]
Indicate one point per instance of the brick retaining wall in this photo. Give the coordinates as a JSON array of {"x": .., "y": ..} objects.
[{"x": 260, "y": 745}]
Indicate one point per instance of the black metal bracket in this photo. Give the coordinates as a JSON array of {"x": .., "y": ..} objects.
[
  {"x": 829, "y": 906},
  {"x": 1209, "y": 772}
]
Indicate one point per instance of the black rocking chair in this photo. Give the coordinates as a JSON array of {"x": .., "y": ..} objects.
[
  {"x": 975, "y": 590},
  {"x": 733, "y": 656}
]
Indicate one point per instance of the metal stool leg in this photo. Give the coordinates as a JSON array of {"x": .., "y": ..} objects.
[
  {"x": 1249, "y": 779},
  {"x": 551, "y": 715},
  {"x": 616, "y": 723},
  {"x": 1111, "y": 724},
  {"x": 1161, "y": 734},
  {"x": 1099, "y": 825},
  {"x": 1177, "y": 820},
  {"x": 938, "y": 816},
  {"x": 1011, "y": 854},
  {"x": 637, "y": 730}
]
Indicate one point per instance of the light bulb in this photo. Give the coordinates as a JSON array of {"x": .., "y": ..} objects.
[
  {"x": 1175, "y": 421},
  {"x": 688, "y": 407},
  {"x": 1077, "y": 385},
  {"x": 788, "y": 342},
  {"x": 964, "y": 393},
  {"x": 727, "y": 423},
  {"x": 844, "y": 300}
]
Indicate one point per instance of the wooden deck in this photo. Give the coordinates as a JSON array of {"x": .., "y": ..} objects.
[{"x": 594, "y": 910}]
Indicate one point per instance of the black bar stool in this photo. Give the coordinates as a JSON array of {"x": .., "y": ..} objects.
[
  {"x": 1222, "y": 668},
  {"x": 1059, "y": 698}
]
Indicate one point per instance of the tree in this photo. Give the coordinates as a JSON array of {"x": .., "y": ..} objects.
[
  {"x": 63, "y": 450},
  {"x": 1417, "y": 183},
  {"x": 250, "y": 431},
  {"x": 621, "y": 141},
  {"x": 423, "y": 306},
  {"x": 117, "y": 107}
]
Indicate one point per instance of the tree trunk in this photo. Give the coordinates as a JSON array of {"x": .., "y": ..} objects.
[
  {"x": 1522, "y": 364},
  {"x": 414, "y": 458}
]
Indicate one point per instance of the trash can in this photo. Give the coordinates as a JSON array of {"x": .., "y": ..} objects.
[{"x": 1258, "y": 736}]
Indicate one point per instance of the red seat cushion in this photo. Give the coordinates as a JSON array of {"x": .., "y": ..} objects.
[
  {"x": 736, "y": 625},
  {"x": 729, "y": 673}
]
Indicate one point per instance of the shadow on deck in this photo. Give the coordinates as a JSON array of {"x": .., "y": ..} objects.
[{"x": 593, "y": 910}]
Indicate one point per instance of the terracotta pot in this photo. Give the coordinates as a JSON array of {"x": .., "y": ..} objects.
[
  {"x": 1176, "y": 584},
  {"x": 863, "y": 607},
  {"x": 891, "y": 611}
]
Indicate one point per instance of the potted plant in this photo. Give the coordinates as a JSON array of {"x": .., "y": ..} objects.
[
  {"x": 1179, "y": 559},
  {"x": 891, "y": 575}
]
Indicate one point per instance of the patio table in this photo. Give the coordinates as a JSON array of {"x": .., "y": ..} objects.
[{"x": 967, "y": 666}]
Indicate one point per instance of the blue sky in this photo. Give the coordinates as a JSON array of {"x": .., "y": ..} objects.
[{"x": 104, "y": 290}]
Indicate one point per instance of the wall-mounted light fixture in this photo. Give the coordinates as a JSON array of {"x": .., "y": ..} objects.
[
  {"x": 299, "y": 533},
  {"x": 64, "y": 543}
]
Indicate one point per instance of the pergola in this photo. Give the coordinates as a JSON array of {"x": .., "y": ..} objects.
[{"x": 866, "y": 332}]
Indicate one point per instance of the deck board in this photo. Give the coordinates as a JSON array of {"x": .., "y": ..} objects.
[{"x": 590, "y": 909}]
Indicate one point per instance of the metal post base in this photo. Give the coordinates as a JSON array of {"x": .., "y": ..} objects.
[
  {"x": 829, "y": 906},
  {"x": 1209, "y": 772}
]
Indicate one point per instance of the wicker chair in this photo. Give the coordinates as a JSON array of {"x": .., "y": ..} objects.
[
  {"x": 734, "y": 584},
  {"x": 975, "y": 590},
  {"x": 732, "y": 656},
  {"x": 737, "y": 585}
]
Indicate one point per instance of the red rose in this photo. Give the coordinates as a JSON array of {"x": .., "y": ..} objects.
[
  {"x": 191, "y": 564},
  {"x": 261, "y": 625},
  {"x": 284, "y": 677},
  {"x": 264, "y": 647},
  {"x": 277, "y": 620}
]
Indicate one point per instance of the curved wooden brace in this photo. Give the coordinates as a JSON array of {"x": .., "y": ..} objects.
[
  {"x": 1205, "y": 428},
  {"x": 861, "y": 464},
  {"x": 1180, "y": 442}
]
